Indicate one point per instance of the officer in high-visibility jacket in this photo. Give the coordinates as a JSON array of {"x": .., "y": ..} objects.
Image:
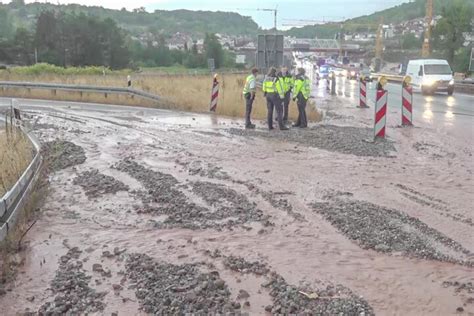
[
  {"x": 250, "y": 89},
  {"x": 289, "y": 83},
  {"x": 301, "y": 95},
  {"x": 273, "y": 90}
]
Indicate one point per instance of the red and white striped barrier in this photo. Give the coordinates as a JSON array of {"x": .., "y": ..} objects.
[
  {"x": 380, "y": 114},
  {"x": 214, "y": 94},
  {"x": 407, "y": 106},
  {"x": 363, "y": 94}
]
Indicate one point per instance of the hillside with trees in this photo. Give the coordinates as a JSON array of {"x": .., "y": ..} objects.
[
  {"x": 397, "y": 14},
  {"x": 196, "y": 23},
  {"x": 70, "y": 39}
]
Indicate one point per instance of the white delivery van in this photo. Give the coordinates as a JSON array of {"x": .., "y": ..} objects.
[{"x": 431, "y": 75}]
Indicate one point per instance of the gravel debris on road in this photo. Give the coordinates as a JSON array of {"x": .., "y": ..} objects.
[
  {"x": 241, "y": 265},
  {"x": 226, "y": 208},
  {"x": 60, "y": 154},
  {"x": 229, "y": 203},
  {"x": 167, "y": 289},
  {"x": 467, "y": 287},
  {"x": 289, "y": 299},
  {"x": 282, "y": 204},
  {"x": 342, "y": 139},
  {"x": 333, "y": 300},
  {"x": 73, "y": 294},
  {"x": 432, "y": 150},
  {"x": 204, "y": 169},
  {"x": 96, "y": 184},
  {"x": 388, "y": 231}
]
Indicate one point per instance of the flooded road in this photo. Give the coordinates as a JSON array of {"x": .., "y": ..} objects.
[{"x": 185, "y": 212}]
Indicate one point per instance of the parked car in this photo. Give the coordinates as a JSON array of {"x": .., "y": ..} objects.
[{"x": 431, "y": 75}]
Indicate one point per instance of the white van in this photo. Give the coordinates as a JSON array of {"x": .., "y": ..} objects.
[{"x": 431, "y": 75}]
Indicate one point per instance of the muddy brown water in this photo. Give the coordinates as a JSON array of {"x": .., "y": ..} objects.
[{"x": 308, "y": 250}]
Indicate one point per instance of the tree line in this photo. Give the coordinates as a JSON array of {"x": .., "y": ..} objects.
[{"x": 70, "y": 39}]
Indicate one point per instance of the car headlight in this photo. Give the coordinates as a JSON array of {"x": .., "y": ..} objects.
[
  {"x": 451, "y": 82},
  {"x": 330, "y": 75},
  {"x": 429, "y": 82}
]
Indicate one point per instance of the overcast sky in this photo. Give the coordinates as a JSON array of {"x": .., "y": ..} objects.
[{"x": 287, "y": 9}]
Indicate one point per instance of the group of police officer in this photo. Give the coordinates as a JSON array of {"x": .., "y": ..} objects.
[{"x": 278, "y": 88}]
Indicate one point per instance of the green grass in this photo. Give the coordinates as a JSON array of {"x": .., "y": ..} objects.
[
  {"x": 47, "y": 69},
  {"x": 42, "y": 68}
]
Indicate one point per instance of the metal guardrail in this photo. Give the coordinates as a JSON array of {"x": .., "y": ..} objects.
[
  {"x": 15, "y": 199},
  {"x": 92, "y": 89},
  {"x": 458, "y": 86}
]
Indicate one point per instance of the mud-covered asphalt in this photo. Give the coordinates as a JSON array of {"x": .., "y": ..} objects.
[{"x": 159, "y": 212}]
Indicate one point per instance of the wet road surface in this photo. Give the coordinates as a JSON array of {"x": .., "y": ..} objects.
[
  {"x": 260, "y": 196},
  {"x": 450, "y": 114}
]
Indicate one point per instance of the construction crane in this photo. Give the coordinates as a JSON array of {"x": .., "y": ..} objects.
[
  {"x": 426, "y": 48},
  {"x": 274, "y": 11},
  {"x": 379, "y": 41}
]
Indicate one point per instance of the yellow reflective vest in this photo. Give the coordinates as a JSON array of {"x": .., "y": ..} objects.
[
  {"x": 274, "y": 85},
  {"x": 250, "y": 84},
  {"x": 289, "y": 83},
  {"x": 302, "y": 85}
]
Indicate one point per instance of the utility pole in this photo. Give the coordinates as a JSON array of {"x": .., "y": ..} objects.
[
  {"x": 379, "y": 47},
  {"x": 426, "y": 48},
  {"x": 379, "y": 41},
  {"x": 341, "y": 42}
]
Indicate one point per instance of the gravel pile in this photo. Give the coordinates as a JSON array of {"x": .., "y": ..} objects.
[
  {"x": 226, "y": 207},
  {"x": 432, "y": 150},
  {"x": 334, "y": 300},
  {"x": 96, "y": 184},
  {"x": 241, "y": 265},
  {"x": 467, "y": 287},
  {"x": 341, "y": 139},
  {"x": 387, "y": 230},
  {"x": 229, "y": 204},
  {"x": 167, "y": 289},
  {"x": 203, "y": 169},
  {"x": 282, "y": 204},
  {"x": 73, "y": 294},
  {"x": 61, "y": 154},
  {"x": 272, "y": 198}
]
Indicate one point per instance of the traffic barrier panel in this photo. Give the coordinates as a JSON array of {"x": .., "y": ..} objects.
[
  {"x": 407, "y": 105},
  {"x": 380, "y": 113},
  {"x": 14, "y": 200},
  {"x": 363, "y": 94},
  {"x": 214, "y": 94}
]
